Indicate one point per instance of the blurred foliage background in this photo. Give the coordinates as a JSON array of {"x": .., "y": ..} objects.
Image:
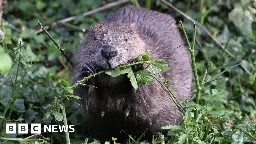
[{"x": 35, "y": 75}]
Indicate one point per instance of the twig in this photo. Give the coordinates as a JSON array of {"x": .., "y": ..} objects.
[
  {"x": 37, "y": 135},
  {"x": 208, "y": 33},
  {"x": 22, "y": 140},
  {"x": 34, "y": 135},
  {"x": 55, "y": 43},
  {"x": 215, "y": 77},
  {"x": 68, "y": 19}
]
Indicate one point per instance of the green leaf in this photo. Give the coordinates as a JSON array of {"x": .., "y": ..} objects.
[
  {"x": 172, "y": 127},
  {"x": 238, "y": 137},
  {"x": 254, "y": 28},
  {"x": 199, "y": 141},
  {"x": 251, "y": 44},
  {"x": 217, "y": 96},
  {"x": 39, "y": 38},
  {"x": 8, "y": 40},
  {"x": 25, "y": 6},
  {"x": 225, "y": 35},
  {"x": 215, "y": 91},
  {"x": 19, "y": 105},
  {"x": 241, "y": 20},
  {"x": 146, "y": 56},
  {"x": 5, "y": 63},
  {"x": 182, "y": 138},
  {"x": 29, "y": 33},
  {"x": 5, "y": 94},
  {"x": 30, "y": 54},
  {"x": 216, "y": 113},
  {"x": 114, "y": 72},
  {"x": 30, "y": 115},
  {"x": 117, "y": 71},
  {"x": 64, "y": 82},
  {"x": 158, "y": 66},
  {"x": 143, "y": 77},
  {"x": 132, "y": 78},
  {"x": 114, "y": 139},
  {"x": 40, "y": 5},
  {"x": 58, "y": 116}
]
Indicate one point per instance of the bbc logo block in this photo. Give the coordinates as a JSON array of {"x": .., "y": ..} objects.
[
  {"x": 11, "y": 128},
  {"x": 35, "y": 128},
  {"x": 23, "y": 128}
]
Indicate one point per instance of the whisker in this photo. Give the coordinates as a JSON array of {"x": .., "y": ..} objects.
[{"x": 87, "y": 67}]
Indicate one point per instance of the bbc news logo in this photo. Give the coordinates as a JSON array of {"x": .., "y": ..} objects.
[{"x": 36, "y": 128}]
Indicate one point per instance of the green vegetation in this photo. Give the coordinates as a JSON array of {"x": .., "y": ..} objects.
[{"x": 35, "y": 75}]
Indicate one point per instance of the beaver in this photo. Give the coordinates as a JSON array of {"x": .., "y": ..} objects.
[{"x": 111, "y": 106}]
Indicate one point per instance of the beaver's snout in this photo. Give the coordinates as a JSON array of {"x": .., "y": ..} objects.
[{"x": 108, "y": 51}]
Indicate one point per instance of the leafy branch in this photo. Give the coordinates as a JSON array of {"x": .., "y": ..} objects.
[
  {"x": 192, "y": 54},
  {"x": 139, "y": 77},
  {"x": 194, "y": 68}
]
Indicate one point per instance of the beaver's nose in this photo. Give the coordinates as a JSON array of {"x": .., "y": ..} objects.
[{"x": 108, "y": 51}]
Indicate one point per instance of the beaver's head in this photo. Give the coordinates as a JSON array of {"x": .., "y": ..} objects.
[{"x": 107, "y": 45}]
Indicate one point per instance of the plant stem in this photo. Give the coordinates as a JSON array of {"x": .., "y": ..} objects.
[
  {"x": 61, "y": 50},
  {"x": 193, "y": 59},
  {"x": 65, "y": 123},
  {"x": 148, "y": 4},
  {"x": 12, "y": 99},
  {"x": 175, "y": 100},
  {"x": 135, "y": 2},
  {"x": 192, "y": 54},
  {"x": 15, "y": 87}
]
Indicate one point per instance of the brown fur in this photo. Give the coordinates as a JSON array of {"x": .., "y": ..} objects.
[{"x": 112, "y": 108}]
